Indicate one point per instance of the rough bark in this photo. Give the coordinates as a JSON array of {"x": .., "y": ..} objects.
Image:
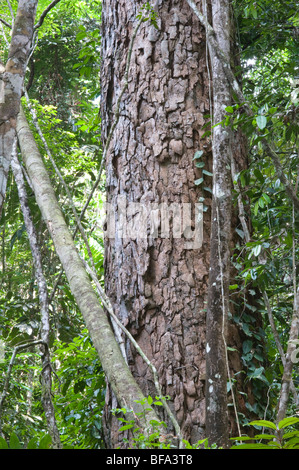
[
  {"x": 97, "y": 322},
  {"x": 11, "y": 84},
  {"x": 157, "y": 285}
]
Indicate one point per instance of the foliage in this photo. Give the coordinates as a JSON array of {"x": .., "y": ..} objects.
[
  {"x": 79, "y": 393},
  {"x": 278, "y": 440},
  {"x": 143, "y": 438},
  {"x": 14, "y": 443}
]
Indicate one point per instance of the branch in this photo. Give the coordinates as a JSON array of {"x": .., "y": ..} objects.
[
  {"x": 57, "y": 171},
  {"x": 44, "y": 14},
  {"x": 5, "y": 23}
]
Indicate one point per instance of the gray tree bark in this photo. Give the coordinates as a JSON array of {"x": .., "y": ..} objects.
[
  {"x": 11, "y": 84},
  {"x": 218, "y": 294}
]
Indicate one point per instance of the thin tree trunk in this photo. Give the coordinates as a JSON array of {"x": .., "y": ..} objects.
[
  {"x": 44, "y": 304},
  {"x": 218, "y": 292},
  {"x": 97, "y": 322},
  {"x": 11, "y": 85}
]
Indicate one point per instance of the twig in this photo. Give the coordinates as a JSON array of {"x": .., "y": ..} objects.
[
  {"x": 45, "y": 12},
  {"x": 5, "y": 23},
  {"x": 11, "y": 12}
]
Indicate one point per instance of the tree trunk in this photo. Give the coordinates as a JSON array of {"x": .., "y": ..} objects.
[
  {"x": 157, "y": 283},
  {"x": 11, "y": 85},
  {"x": 218, "y": 292}
]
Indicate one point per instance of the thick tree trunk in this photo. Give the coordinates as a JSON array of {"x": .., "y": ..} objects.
[{"x": 158, "y": 285}]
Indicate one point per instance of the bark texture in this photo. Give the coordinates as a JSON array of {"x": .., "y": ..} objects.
[
  {"x": 11, "y": 84},
  {"x": 157, "y": 285}
]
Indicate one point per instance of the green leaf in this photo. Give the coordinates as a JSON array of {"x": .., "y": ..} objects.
[
  {"x": 287, "y": 422},
  {"x": 206, "y": 172},
  {"x": 149, "y": 400},
  {"x": 198, "y": 182},
  {"x": 261, "y": 121},
  {"x": 263, "y": 423},
  {"x": 45, "y": 442},
  {"x": 3, "y": 443},
  {"x": 264, "y": 436},
  {"x": 14, "y": 442},
  {"x": 233, "y": 287},
  {"x": 127, "y": 426},
  {"x": 200, "y": 164},
  {"x": 198, "y": 154},
  {"x": 206, "y": 188},
  {"x": 229, "y": 109},
  {"x": 32, "y": 444}
]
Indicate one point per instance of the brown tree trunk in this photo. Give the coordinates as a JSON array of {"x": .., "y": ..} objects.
[{"x": 158, "y": 284}]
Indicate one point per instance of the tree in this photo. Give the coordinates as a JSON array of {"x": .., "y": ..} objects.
[{"x": 157, "y": 156}]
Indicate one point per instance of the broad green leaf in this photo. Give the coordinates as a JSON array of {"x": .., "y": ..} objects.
[
  {"x": 264, "y": 436},
  {"x": 261, "y": 121},
  {"x": 198, "y": 182},
  {"x": 14, "y": 442},
  {"x": 229, "y": 109},
  {"x": 45, "y": 442},
  {"x": 263, "y": 423},
  {"x": 287, "y": 422},
  {"x": 32, "y": 444},
  {"x": 3, "y": 443},
  {"x": 127, "y": 426}
]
